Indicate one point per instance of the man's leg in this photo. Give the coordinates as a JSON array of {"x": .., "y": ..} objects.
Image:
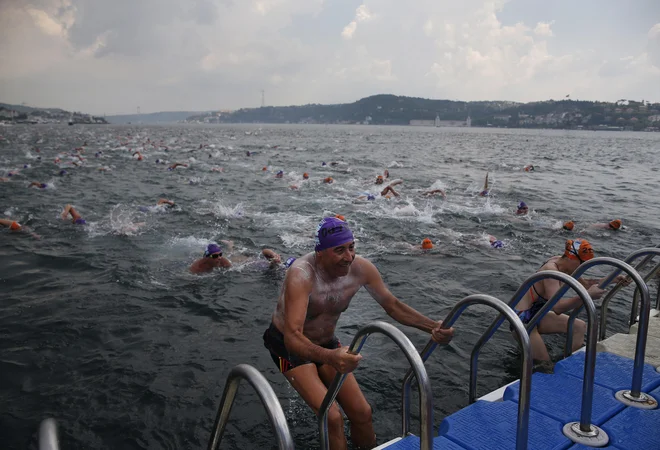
[
  {"x": 539, "y": 350},
  {"x": 305, "y": 380},
  {"x": 355, "y": 406}
]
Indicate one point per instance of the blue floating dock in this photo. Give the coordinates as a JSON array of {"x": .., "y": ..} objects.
[
  {"x": 560, "y": 397},
  {"x": 612, "y": 371}
]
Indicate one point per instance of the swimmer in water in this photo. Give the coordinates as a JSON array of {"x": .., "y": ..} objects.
[
  {"x": 386, "y": 173},
  {"x": 38, "y": 184},
  {"x": 523, "y": 209},
  {"x": 494, "y": 242},
  {"x": 212, "y": 258},
  {"x": 379, "y": 179},
  {"x": 433, "y": 192},
  {"x": 614, "y": 225},
  {"x": 139, "y": 156},
  {"x": 279, "y": 174},
  {"x": 528, "y": 168},
  {"x": 176, "y": 164},
  {"x": 389, "y": 191},
  {"x": 568, "y": 226},
  {"x": 75, "y": 217},
  {"x": 328, "y": 180},
  {"x": 485, "y": 192},
  {"x": 15, "y": 226}
]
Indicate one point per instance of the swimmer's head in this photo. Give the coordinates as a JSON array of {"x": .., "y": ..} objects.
[
  {"x": 332, "y": 232},
  {"x": 522, "y": 208},
  {"x": 484, "y": 193},
  {"x": 213, "y": 251},
  {"x": 289, "y": 261},
  {"x": 371, "y": 197},
  {"x": 62, "y": 172},
  {"x": 263, "y": 169},
  {"x": 25, "y": 166},
  {"x": 328, "y": 180},
  {"x": 427, "y": 244},
  {"x": 323, "y": 163},
  {"x": 279, "y": 174},
  {"x": 80, "y": 221},
  {"x": 14, "y": 226},
  {"x": 43, "y": 185},
  {"x": 568, "y": 226},
  {"x": 579, "y": 250},
  {"x": 340, "y": 217},
  {"x": 615, "y": 224},
  {"x": 305, "y": 176},
  {"x": 379, "y": 179},
  {"x": 496, "y": 243},
  {"x": 157, "y": 161}
]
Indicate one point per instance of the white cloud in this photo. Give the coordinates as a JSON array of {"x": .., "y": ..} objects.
[
  {"x": 653, "y": 47},
  {"x": 362, "y": 14},
  {"x": 543, "y": 29},
  {"x": 349, "y": 30}
]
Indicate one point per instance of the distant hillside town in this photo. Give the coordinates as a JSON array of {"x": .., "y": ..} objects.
[
  {"x": 622, "y": 115},
  {"x": 19, "y": 114}
]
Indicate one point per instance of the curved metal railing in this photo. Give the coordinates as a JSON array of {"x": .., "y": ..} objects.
[
  {"x": 650, "y": 253},
  {"x": 48, "y": 435},
  {"x": 525, "y": 379},
  {"x": 267, "y": 397},
  {"x": 425, "y": 396},
  {"x": 642, "y": 332},
  {"x": 585, "y": 425}
]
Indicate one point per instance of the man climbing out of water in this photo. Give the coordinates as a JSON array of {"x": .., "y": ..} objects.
[
  {"x": 212, "y": 258},
  {"x": 75, "y": 217},
  {"x": 576, "y": 252},
  {"x": 301, "y": 338},
  {"x": 614, "y": 225}
]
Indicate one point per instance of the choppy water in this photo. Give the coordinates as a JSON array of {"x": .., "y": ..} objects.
[{"x": 103, "y": 328}]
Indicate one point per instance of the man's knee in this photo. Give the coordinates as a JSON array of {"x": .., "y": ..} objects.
[
  {"x": 335, "y": 419},
  {"x": 361, "y": 413}
]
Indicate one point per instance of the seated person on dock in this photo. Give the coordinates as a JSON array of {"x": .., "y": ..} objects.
[
  {"x": 301, "y": 339},
  {"x": 555, "y": 321}
]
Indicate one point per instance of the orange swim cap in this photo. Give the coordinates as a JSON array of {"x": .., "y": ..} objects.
[
  {"x": 328, "y": 180},
  {"x": 305, "y": 175},
  {"x": 615, "y": 224},
  {"x": 14, "y": 226},
  {"x": 340, "y": 217},
  {"x": 264, "y": 169},
  {"x": 379, "y": 177},
  {"x": 568, "y": 226},
  {"x": 427, "y": 244},
  {"x": 579, "y": 250}
]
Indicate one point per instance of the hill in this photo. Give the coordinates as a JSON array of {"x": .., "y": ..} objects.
[
  {"x": 159, "y": 117},
  {"x": 399, "y": 110},
  {"x": 34, "y": 115}
]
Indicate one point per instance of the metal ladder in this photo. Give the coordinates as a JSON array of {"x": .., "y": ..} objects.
[
  {"x": 417, "y": 367},
  {"x": 526, "y": 377}
]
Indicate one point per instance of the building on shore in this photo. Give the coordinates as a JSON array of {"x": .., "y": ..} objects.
[{"x": 441, "y": 123}]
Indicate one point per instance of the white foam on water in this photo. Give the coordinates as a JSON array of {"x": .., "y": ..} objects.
[
  {"x": 124, "y": 221},
  {"x": 395, "y": 164},
  {"x": 291, "y": 240},
  {"x": 221, "y": 210}
]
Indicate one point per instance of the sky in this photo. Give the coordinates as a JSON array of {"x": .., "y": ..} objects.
[{"x": 112, "y": 56}]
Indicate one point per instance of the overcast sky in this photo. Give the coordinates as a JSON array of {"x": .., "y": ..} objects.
[{"x": 110, "y": 56}]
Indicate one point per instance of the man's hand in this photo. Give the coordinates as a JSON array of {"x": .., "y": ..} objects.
[
  {"x": 442, "y": 335},
  {"x": 343, "y": 361},
  {"x": 623, "y": 279},
  {"x": 595, "y": 292}
]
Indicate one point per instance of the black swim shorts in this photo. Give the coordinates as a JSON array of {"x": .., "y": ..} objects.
[{"x": 274, "y": 342}]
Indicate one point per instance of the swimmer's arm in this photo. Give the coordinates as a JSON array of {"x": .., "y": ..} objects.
[
  {"x": 395, "y": 308},
  {"x": 6, "y": 222},
  {"x": 565, "y": 304},
  {"x": 297, "y": 287}
]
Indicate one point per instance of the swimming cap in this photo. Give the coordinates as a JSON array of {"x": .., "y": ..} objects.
[
  {"x": 568, "y": 226},
  {"x": 211, "y": 249},
  {"x": 427, "y": 244},
  {"x": 497, "y": 244},
  {"x": 332, "y": 232},
  {"x": 43, "y": 185},
  {"x": 323, "y": 163},
  {"x": 580, "y": 250},
  {"x": 371, "y": 197},
  {"x": 305, "y": 175},
  {"x": 289, "y": 261},
  {"x": 522, "y": 205},
  {"x": 25, "y": 166},
  {"x": 62, "y": 172},
  {"x": 379, "y": 177},
  {"x": 80, "y": 221},
  {"x": 263, "y": 169},
  {"x": 14, "y": 226},
  {"x": 157, "y": 161},
  {"x": 340, "y": 217},
  {"x": 615, "y": 224},
  {"x": 280, "y": 172},
  {"x": 484, "y": 193},
  {"x": 328, "y": 180}
]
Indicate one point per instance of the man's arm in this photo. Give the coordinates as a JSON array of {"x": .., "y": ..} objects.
[
  {"x": 399, "y": 311},
  {"x": 551, "y": 287}
]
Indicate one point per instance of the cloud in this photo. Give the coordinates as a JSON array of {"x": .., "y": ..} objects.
[
  {"x": 653, "y": 47},
  {"x": 362, "y": 14},
  {"x": 543, "y": 29},
  {"x": 349, "y": 30}
]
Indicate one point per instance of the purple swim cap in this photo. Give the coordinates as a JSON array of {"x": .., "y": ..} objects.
[
  {"x": 497, "y": 244},
  {"x": 371, "y": 197},
  {"x": 289, "y": 261},
  {"x": 522, "y": 205},
  {"x": 332, "y": 232},
  {"x": 211, "y": 249},
  {"x": 80, "y": 221},
  {"x": 62, "y": 172}
]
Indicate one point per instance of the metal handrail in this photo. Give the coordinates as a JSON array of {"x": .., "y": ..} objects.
[
  {"x": 634, "y": 312},
  {"x": 423, "y": 382},
  {"x": 650, "y": 253},
  {"x": 267, "y": 397},
  {"x": 642, "y": 332},
  {"x": 590, "y": 354},
  {"x": 48, "y": 435},
  {"x": 525, "y": 379}
]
